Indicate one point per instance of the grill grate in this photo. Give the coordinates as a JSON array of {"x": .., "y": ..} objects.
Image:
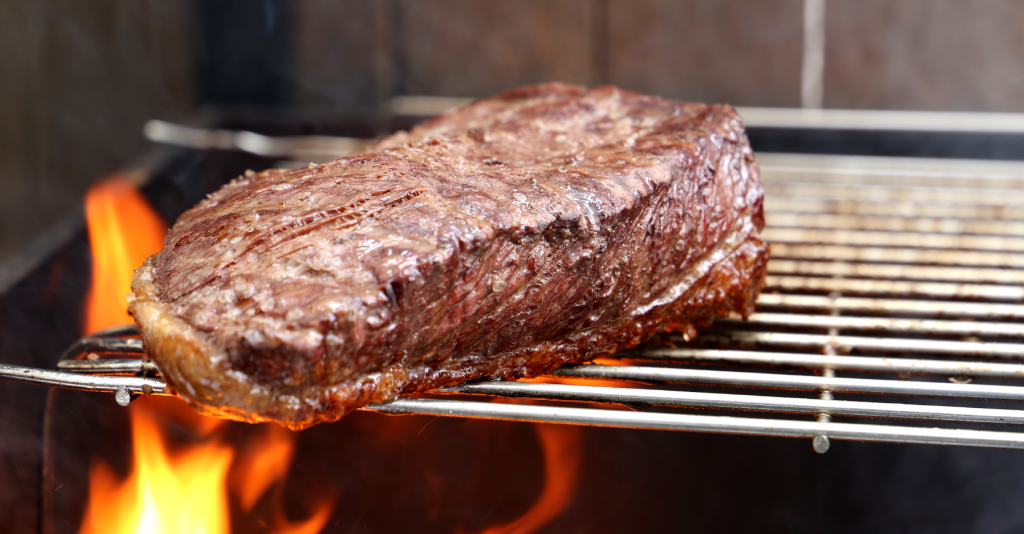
[{"x": 893, "y": 311}]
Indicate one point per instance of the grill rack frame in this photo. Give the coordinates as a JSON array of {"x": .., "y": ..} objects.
[{"x": 901, "y": 269}]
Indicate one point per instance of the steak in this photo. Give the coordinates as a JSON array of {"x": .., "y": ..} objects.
[{"x": 547, "y": 225}]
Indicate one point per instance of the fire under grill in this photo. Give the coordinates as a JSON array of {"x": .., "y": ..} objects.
[{"x": 893, "y": 311}]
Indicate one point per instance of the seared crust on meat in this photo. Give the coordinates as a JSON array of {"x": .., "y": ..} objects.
[{"x": 550, "y": 224}]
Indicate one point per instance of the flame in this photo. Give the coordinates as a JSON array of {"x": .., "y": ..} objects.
[
  {"x": 267, "y": 465},
  {"x": 190, "y": 490},
  {"x": 261, "y": 467},
  {"x": 562, "y": 446},
  {"x": 561, "y": 467},
  {"x": 169, "y": 490},
  {"x": 123, "y": 231},
  {"x": 165, "y": 494}
]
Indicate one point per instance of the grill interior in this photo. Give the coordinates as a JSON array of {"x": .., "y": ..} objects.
[{"x": 891, "y": 313}]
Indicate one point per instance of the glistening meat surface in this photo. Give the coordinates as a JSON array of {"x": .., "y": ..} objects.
[{"x": 550, "y": 224}]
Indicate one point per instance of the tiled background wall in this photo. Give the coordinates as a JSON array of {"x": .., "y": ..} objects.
[
  {"x": 77, "y": 80},
  {"x": 731, "y": 51},
  {"x": 925, "y": 55}
]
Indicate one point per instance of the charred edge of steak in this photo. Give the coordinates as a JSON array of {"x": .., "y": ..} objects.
[{"x": 198, "y": 370}]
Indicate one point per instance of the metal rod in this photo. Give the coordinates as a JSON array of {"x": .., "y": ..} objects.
[
  {"x": 849, "y": 343},
  {"x": 871, "y": 120},
  {"x": 792, "y": 382},
  {"x": 883, "y": 253},
  {"x": 901, "y": 366},
  {"x": 207, "y": 138},
  {"x": 700, "y": 423},
  {"x": 912, "y": 172},
  {"x": 112, "y": 384},
  {"x": 884, "y": 324},
  {"x": 959, "y": 242},
  {"x": 821, "y": 442},
  {"x": 690, "y": 399},
  {"x": 898, "y": 193},
  {"x": 999, "y": 177},
  {"x": 897, "y": 271},
  {"x": 861, "y": 207},
  {"x": 896, "y": 287},
  {"x": 103, "y": 344},
  {"x": 883, "y": 306},
  {"x": 108, "y": 367},
  {"x": 895, "y": 223}
]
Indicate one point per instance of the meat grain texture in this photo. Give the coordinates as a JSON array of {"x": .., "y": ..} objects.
[{"x": 547, "y": 225}]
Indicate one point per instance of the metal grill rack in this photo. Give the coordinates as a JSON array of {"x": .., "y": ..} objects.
[{"x": 893, "y": 312}]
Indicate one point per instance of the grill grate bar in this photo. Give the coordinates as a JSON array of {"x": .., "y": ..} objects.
[
  {"x": 863, "y": 207},
  {"x": 891, "y": 193},
  {"x": 690, "y": 399},
  {"x": 900, "y": 366},
  {"x": 884, "y": 324},
  {"x": 963, "y": 243},
  {"x": 108, "y": 366},
  {"x": 882, "y": 306},
  {"x": 895, "y": 287},
  {"x": 845, "y": 343},
  {"x": 700, "y": 423},
  {"x": 87, "y": 382},
  {"x": 893, "y": 271},
  {"x": 885, "y": 254},
  {"x": 782, "y": 218},
  {"x": 916, "y": 172},
  {"x": 791, "y": 382}
]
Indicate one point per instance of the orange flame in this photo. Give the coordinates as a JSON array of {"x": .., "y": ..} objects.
[
  {"x": 188, "y": 490},
  {"x": 162, "y": 494},
  {"x": 169, "y": 491},
  {"x": 123, "y": 232},
  {"x": 262, "y": 467},
  {"x": 561, "y": 466}
]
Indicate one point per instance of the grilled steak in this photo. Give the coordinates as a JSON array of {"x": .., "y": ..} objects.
[{"x": 547, "y": 225}]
